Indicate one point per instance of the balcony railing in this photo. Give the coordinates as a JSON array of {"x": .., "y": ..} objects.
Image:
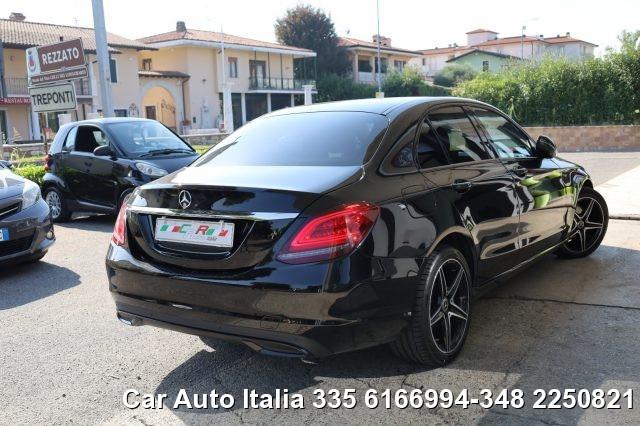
[
  {"x": 18, "y": 86},
  {"x": 15, "y": 86},
  {"x": 83, "y": 87},
  {"x": 277, "y": 83}
]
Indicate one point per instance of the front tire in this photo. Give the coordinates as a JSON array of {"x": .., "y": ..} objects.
[
  {"x": 440, "y": 319},
  {"x": 57, "y": 205},
  {"x": 589, "y": 225}
]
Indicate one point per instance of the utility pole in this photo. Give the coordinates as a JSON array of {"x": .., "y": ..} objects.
[
  {"x": 378, "y": 40},
  {"x": 524, "y": 27},
  {"x": 102, "y": 49}
]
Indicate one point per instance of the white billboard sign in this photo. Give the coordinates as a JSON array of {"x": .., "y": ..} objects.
[{"x": 56, "y": 97}]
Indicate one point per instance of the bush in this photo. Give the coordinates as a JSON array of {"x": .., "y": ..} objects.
[
  {"x": 560, "y": 92},
  {"x": 34, "y": 173},
  {"x": 410, "y": 82},
  {"x": 332, "y": 87},
  {"x": 454, "y": 74}
]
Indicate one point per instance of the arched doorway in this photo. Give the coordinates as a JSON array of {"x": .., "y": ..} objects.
[{"x": 159, "y": 104}]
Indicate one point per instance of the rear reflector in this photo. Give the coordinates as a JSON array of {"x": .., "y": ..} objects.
[
  {"x": 330, "y": 235},
  {"x": 119, "y": 236}
]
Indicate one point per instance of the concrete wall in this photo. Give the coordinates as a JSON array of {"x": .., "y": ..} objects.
[
  {"x": 591, "y": 138},
  {"x": 475, "y": 60}
]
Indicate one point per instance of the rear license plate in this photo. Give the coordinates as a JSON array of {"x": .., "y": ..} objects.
[
  {"x": 214, "y": 234},
  {"x": 4, "y": 234}
]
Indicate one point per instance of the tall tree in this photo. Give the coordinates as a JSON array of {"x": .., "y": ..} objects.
[{"x": 308, "y": 27}]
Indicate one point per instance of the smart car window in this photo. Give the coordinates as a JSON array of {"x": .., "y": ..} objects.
[
  {"x": 507, "y": 140},
  {"x": 457, "y": 135},
  {"x": 305, "y": 139},
  {"x": 70, "y": 141}
]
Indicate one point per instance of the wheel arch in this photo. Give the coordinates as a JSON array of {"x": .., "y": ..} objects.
[{"x": 459, "y": 238}]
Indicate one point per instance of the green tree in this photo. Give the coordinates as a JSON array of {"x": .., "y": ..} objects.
[
  {"x": 310, "y": 28},
  {"x": 453, "y": 74},
  {"x": 333, "y": 87}
]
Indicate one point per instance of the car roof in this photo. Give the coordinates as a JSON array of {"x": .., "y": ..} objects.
[
  {"x": 108, "y": 120},
  {"x": 382, "y": 106}
]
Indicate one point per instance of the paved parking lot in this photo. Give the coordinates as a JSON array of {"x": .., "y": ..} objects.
[{"x": 561, "y": 324}]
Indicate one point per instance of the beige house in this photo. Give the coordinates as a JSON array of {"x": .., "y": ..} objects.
[
  {"x": 523, "y": 47},
  {"x": 363, "y": 55},
  {"x": 183, "y": 79},
  {"x": 17, "y": 121}
]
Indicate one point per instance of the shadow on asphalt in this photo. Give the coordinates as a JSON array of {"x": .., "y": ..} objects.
[
  {"x": 28, "y": 282},
  {"x": 523, "y": 343},
  {"x": 100, "y": 223}
]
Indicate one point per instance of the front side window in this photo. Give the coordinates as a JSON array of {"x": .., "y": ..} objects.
[
  {"x": 457, "y": 135},
  {"x": 146, "y": 138},
  {"x": 507, "y": 140},
  {"x": 305, "y": 139},
  {"x": 89, "y": 138}
]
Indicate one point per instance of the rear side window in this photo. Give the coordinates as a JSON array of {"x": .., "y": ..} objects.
[
  {"x": 70, "y": 141},
  {"x": 305, "y": 139},
  {"x": 430, "y": 152},
  {"x": 457, "y": 135},
  {"x": 506, "y": 139}
]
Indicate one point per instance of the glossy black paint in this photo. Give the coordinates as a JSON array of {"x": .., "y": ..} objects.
[
  {"x": 501, "y": 214},
  {"x": 98, "y": 183}
]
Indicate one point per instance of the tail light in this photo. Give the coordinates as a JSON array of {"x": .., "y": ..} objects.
[
  {"x": 330, "y": 235},
  {"x": 47, "y": 162},
  {"x": 119, "y": 236}
]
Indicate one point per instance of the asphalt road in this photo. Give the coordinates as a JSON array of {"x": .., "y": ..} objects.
[{"x": 64, "y": 358}]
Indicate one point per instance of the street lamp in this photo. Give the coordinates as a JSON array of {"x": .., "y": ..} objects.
[
  {"x": 378, "y": 43},
  {"x": 524, "y": 27}
]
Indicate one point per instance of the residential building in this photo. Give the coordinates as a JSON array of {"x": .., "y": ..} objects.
[
  {"x": 484, "y": 60},
  {"x": 184, "y": 77},
  {"x": 17, "y": 121},
  {"x": 363, "y": 55},
  {"x": 524, "y": 47}
]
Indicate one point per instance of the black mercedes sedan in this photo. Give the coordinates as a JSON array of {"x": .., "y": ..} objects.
[
  {"x": 333, "y": 227},
  {"x": 93, "y": 165},
  {"x": 26, "y": 229}
]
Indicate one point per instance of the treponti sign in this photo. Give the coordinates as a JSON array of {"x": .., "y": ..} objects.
[
  {"x": 55, "y": 97},
  {"x": 54, "y": 62}
]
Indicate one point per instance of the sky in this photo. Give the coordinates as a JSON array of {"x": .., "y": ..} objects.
[{"x": 417, "y": 24}]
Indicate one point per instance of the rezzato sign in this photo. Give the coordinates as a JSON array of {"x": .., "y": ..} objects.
[
  {"x": 57, "y": 97},
  {"x": 59, "y": 61}
]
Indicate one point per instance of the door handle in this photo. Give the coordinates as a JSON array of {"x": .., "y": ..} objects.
[
  {"x": 520, "y": 171},
  {"x": 461, "y": 185}
]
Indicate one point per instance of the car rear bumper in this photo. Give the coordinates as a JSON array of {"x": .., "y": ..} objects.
[
  {"x": 30, "y": 234},
  {"x": 275, "y": 322}
]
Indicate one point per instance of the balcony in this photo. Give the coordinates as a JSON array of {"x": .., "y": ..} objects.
[
  {"x": 15, "y": 86},
  {"x": 277, "y": 83},
  {"x": 83, "y": 87}
]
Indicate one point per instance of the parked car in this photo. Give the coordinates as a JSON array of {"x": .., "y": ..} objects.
[
  {"x": 94, "y": 164},
  {"x": 323, "y": 229},
  {"x": 26, "y": 229}
]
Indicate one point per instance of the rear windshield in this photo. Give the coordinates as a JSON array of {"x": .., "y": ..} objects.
[{"x": 307, "y": 139}]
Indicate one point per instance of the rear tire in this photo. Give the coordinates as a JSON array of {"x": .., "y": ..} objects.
[
  {"x": 589, "y": 225},
  {"x": 57, "y": 205},
  {"x": 442, "y": 312}
]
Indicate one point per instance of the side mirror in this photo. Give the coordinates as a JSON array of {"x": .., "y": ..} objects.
[
  {"x": 545, "y": 148},
  {"x": 103, "y": 151}
]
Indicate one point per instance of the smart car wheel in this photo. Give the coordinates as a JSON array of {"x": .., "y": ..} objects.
[
  {"x": 57, "y": 205},
  {"x": 440, "y": 320},
  {"x": 589, "y": 225}
]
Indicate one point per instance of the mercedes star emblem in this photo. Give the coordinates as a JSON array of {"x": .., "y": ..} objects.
[{"x": 184, "y": 199}]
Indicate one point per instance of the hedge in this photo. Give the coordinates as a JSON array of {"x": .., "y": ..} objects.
[
  {"x": 32, "y": 172},
  {"x": 560, "y": 92}
]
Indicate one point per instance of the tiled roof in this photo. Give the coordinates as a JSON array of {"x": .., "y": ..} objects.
[
  {"x": 566, "y": 39},
  {"x": 486, "y": 52},
  {"x": 509, "y": 40},
  {"x": 442, "y": 50},
  {"x": 161, "y": 74},
  {"x": 480, "y": 30},
  {"x": 212, "y": 36},
  {"x": 354, "y": 42},
  {"x": 25, "y": 34}
]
